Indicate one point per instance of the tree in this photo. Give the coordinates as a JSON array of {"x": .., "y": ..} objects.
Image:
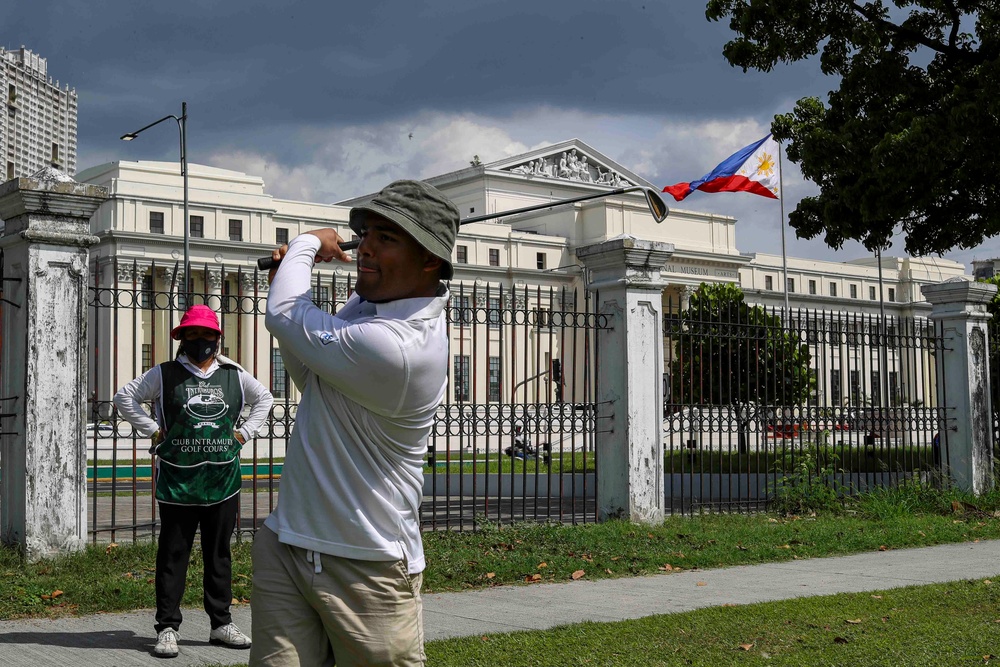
[
  {"x": 909, "y": 139},
  {"x": 729, "y": 352}
]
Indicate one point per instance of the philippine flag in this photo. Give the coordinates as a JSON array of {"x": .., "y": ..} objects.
[{"x": 752, "y": 169}]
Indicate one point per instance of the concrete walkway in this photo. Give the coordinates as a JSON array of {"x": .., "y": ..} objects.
[{"x": 122, "y": 640}]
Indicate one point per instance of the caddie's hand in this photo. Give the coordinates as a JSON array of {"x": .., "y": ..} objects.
[
  {"x": 154, "y": 440},
  {"x": 239, "y": 437},
  {"x": 329, "y": 247},
  {"x": 276, "y": 255}
]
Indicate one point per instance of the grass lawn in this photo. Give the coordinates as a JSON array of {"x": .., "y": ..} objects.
[{"x": 899, "y": 627}]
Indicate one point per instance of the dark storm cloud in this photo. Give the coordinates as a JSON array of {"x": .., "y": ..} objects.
[{"x": 256, "y": 72}]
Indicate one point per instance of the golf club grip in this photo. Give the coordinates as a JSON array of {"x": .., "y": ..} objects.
[{"x": 268, "y": 263}]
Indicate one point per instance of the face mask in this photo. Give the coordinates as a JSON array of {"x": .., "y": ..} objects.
[{"x": 199, "y": 349}]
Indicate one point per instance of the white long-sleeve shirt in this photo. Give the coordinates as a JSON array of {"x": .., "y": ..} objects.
[
  {"x": 147, "y": 389},
  {"x": 371, "y": 379}
]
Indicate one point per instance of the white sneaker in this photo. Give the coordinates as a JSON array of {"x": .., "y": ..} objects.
[
  {"x": 166, "y": 643},
  {"x": 229, "y": 635}
]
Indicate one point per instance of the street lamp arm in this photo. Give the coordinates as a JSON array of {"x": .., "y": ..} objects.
[
  {"x": 132, "y": 135},
  {"x": 182, "y": 130}
]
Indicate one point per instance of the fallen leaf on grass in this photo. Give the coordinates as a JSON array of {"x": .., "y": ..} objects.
[
  {"x": 666, "y": 567},
  {"x": 532, "y": 578},
  {"x": 108, "y": 549},
  {"x": 746, "y": 647},
  {"x": 541, "y": 565},
  {"x": 882, "y": 547},
  {"x": 578, "y": 574},
  {"x": 783, "y": 546},
  {"x": 853, "y": 621},
  {"x": 876, "y": 597},
  {"x": 608, "y": 570},
  {"x": 490, "y": 575},
  {"x": 53, "y": 595},
  {"x": 730, "y": 604},
  {"x": 987, "y": 582}
]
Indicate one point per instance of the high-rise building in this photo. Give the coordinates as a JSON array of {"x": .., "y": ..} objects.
[{"x": 39, "y": 128}]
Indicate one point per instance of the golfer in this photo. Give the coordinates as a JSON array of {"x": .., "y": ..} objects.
[
  {"x": 338, "y": 563},
  {"x": 197, "y": 399}
]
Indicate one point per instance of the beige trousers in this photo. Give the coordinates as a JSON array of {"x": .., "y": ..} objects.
[{"x": 314, "y": 609}]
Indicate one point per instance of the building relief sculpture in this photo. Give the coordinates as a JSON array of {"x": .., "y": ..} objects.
[{"x": 572, "y": 167}]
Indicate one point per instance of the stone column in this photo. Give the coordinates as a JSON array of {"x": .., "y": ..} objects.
[
  {"x": 964, "y": 379},
  {"x": 43, "y": 362},
  {"x": 626, "y": 273}
]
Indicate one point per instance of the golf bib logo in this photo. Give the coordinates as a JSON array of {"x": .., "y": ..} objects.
[{"x": 205, "y": 402}]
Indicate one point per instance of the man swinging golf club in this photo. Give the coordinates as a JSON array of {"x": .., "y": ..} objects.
[{"x": 337, "y": 565}]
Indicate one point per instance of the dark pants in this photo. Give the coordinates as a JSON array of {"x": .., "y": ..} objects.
[{"x": 177, "y": 528}]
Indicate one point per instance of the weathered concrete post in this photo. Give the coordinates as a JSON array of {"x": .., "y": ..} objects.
[
  {"x": 43, "y": 361},
  {"x": 964, "y": 379},
  {"x": 626, "y": 272}
]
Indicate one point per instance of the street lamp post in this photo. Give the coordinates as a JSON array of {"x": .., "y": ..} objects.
[{"x": 182, "y": 128}]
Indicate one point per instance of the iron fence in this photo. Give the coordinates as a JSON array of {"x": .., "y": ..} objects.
[
  {"x": 514, "y": 440},
  {"x": 758, "y": 400}
]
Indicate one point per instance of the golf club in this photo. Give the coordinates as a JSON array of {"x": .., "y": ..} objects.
[{"x": 653, "y": 200}]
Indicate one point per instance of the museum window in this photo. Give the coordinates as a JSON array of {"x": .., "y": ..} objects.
[
  {"x": 146, "y": 292},
  {"x": 812, "y": 286},
  {"x": 461, "y": 310},
  {"x": 854, "y": 291},
  {"x": 147, "y": 357},
  {"x": 790, "y": 285},
  {"x": 833, "y": 289},
  {"x": 876, "y": 393},
  {"x": 461, "y": 254},
  {"x": 281, "y": 235},
  {"x": 540, "y": 260},
  {"x": 279, "y": 376},
  {"x": 835, "y": 386},
  {"x": 494, "y": 256},
  {"x": 156, "y": 222},
  {"x": 197, "y": 227},
  {"x": 768, "y": 283},
  {"x": 855, "y": 387},
  {"x": 493, "y": 312},
  {"x": 461, "y": 377},
  {"x": 892, "y": 294},
  {"x": 235, "y": 229},
  {"x": 493, "y": 379},
  {"x": 871, "y": 293}
]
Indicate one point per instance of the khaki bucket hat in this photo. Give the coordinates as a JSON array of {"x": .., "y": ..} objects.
[{"x": 422, "y": 211}]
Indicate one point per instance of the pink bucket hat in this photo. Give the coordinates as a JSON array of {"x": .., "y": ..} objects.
[{"x": 197, "y": 316}]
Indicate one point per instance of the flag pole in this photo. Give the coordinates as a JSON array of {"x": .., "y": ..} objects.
[{"x": 781, "y": 199}]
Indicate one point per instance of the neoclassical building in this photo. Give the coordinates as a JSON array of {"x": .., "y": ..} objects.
[{"x": 525, "y": 262}]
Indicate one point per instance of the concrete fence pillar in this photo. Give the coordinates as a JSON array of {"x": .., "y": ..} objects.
[
  {"x": 964, "y": 379},
  {"x": 626, "y": 273},
  {"x": 43, "y": 361}
]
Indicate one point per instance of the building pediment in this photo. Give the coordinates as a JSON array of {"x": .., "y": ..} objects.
[{"x": 571, "y": 161}]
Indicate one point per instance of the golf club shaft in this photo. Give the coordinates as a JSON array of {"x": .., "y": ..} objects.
[{"x": 656, "y": 206}]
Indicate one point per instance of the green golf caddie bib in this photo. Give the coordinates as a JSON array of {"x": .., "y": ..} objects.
[{"x": 199, "y": 460}]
